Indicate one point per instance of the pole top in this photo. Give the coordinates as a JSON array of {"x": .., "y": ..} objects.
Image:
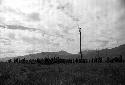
[{"x": 79, "y": 29}]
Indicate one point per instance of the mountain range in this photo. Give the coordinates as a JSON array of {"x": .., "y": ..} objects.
[{"x": 114, "y": 52}]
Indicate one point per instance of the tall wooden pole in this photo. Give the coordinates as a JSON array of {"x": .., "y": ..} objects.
[{"x": 80, "y": 42}]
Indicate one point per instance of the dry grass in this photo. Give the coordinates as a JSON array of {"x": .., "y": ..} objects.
[{"x": 61, "y": 74}]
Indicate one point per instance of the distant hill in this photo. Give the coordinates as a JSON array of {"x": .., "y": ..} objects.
[
  {"x": 61, "y": 54},
  {"x": 114, "y": 52},
  {"x": 5, "y": 59}
]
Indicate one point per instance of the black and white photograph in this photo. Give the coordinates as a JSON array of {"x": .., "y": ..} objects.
[{"x": 62, "y": 42}]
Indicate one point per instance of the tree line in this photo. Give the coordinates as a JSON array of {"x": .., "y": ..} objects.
[{"x": 57, "y": 60}]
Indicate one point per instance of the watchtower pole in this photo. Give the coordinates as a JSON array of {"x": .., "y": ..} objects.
[{"x": 80, "y": 42}]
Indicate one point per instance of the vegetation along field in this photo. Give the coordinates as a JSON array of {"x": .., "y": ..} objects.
[{"x": 62, "y": 74}]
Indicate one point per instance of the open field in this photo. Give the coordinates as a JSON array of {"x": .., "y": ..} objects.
[{"x": 62, "y": 74}]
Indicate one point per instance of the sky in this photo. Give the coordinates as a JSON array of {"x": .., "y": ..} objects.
[{"x": 33, "y": 26}]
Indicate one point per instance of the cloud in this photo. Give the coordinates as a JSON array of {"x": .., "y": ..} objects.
[
  {"x": 0, "y": 2},
  {"x": 51, "y": 25},
  {"x": 120, "y": 25},
  {"x": 34, "y": 17},
  {"x": 122, "y": 3},
  {"x": 33, "y": 40},
  {"x": 19, "y": 27}
]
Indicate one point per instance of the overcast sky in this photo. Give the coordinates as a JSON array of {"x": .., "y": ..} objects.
[{"x": 33, "y": 26}]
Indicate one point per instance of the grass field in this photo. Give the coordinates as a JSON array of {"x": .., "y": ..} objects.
[{"x": 62, "y": 74}]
